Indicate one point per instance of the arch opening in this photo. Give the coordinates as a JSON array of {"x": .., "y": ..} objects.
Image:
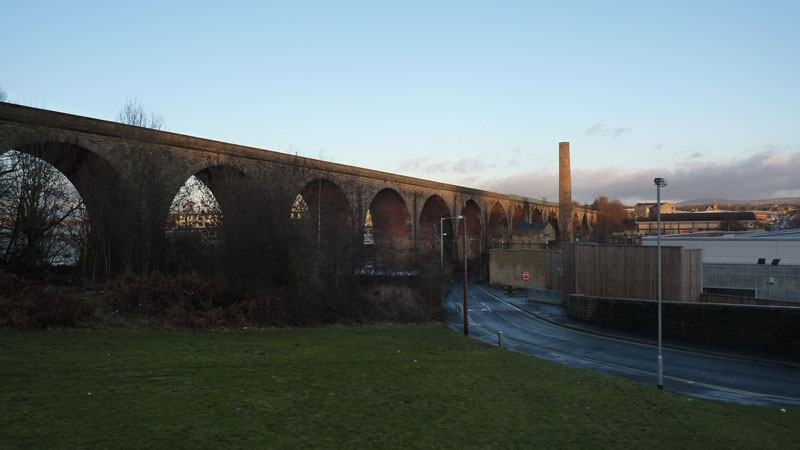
[
  {"x": 226, "y": 184},
  {"x": 435, "y": 234},
  {"x": 43, "y": 218},
  {"x": 216, "y": 222},
  {"x": 474, "y": 235},
  {"x": 387, "y": 230},
  {"x": 194, "y": 206},
  {"x": 553, "y": 221},
  {"x": 193, "y": 227},
  {"x": 519, "y": 217},
  {"x": 536, "y": 216},
  {"x": 100, "y": 188},
  {"x": 498, "y": 225},
  {"x": 576, "y": 226},
  {"x": 325, "y": 216}
]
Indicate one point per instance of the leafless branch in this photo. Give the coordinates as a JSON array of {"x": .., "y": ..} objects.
[{"x": 133, "y": 113}]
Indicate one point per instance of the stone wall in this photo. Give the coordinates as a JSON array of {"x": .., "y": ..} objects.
[
  {"x": 771, "y": 328},
  {"x": 736, "y": 300},
  {"x": 506, "y": 267}
]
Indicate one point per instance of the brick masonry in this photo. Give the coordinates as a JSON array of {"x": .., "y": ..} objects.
[
  {"x": 564, "y": 194},
  {"x": 506, "y": 267}
]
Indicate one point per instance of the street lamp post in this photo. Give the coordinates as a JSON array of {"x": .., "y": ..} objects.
[
  {"x": 480, "y": 259},
  {"x": 466, "y": 311},
  {"x": 659, "y": 182}
]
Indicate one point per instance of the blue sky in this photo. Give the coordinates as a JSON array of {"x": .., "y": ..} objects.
[{"x": 472, "y": 93}]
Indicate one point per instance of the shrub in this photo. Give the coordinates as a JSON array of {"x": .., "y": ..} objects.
[
  {"x": 192, "y": 300},
  {"x": 35, "y": 306}
]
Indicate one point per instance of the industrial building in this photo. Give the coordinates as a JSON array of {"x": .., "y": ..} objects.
[
  {"x": 692, "y": 222},
  {"x": 762, "y": 265}
]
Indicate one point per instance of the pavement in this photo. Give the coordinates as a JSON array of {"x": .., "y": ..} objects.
[{"x": 541, "y": 328}]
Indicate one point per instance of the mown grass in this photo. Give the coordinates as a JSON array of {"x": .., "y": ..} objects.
[{"x": 377, "y": 386}]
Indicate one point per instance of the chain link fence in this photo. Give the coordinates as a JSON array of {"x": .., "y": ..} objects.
[{"x": 763, "y": 281}]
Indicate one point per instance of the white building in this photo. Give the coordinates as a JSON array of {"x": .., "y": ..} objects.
[
  {"x": 738, "y": 248},
  {"x": 757, "y": 265}
]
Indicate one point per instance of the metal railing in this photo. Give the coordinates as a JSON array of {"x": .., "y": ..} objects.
[
  {"x": 503, "y": 245},
  {"x": 545, "y": 295},
  {"x": 764, "y": 280}
]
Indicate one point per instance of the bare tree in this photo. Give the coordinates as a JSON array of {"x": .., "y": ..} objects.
[
  {"x": 133, "y": 113},
  {"x": 612, "y": 217},
  {"x": 40, "y": 213},
  {"x": 144, "y": 221},
  {"x": 3, "y": 95}
]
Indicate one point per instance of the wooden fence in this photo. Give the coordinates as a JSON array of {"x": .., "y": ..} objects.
[
  {"x": 553, "y": 278},
  {"x": 619, "y": 271}
]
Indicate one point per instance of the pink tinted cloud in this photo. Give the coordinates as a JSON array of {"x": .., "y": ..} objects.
[{"x": 762, "y": 175}]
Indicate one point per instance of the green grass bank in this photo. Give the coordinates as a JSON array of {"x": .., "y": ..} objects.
[{"x": 377, "y": 386}]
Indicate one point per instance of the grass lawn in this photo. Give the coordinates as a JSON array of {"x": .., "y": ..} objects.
[{"x": 379, "y": 386}]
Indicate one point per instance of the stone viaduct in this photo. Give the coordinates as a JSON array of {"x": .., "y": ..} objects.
[{"x": 101, "y": 157}]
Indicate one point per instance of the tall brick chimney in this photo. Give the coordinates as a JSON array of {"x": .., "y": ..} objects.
[{"x": 564, "y": 194}]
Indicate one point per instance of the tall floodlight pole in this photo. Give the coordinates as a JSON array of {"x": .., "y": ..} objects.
[{"x": 659, "y": 182}]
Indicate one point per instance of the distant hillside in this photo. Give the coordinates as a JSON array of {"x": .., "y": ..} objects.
[
  {"x": 705, "y": 201},
  {"x": 720, "y": 201}
]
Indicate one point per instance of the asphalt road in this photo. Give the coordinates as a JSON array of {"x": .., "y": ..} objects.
[{"x": 545, "y": 332}]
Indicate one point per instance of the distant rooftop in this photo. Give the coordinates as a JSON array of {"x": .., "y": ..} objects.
[
  {"x": 709, "y": 216},
  {"x": 781, "y": 234}
]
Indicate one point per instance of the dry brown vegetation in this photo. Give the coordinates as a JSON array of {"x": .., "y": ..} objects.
[{"x": 195, "y": 301}]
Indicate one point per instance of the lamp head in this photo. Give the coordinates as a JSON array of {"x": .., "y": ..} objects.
[{"x": 660, "y": 182}]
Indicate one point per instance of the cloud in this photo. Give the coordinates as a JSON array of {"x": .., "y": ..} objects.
[
  {"x": 600, "y": 129},
  {"x": 412, "y": 164},
  {"x": 695, "y": 155},
  {"x": 765, "y": 174},
  {"x": 514, "y": 158},
  {"x": 465, "y": 165},
  {"x": 468, "y": 181},
  {"x": 458, "y": 166}
]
